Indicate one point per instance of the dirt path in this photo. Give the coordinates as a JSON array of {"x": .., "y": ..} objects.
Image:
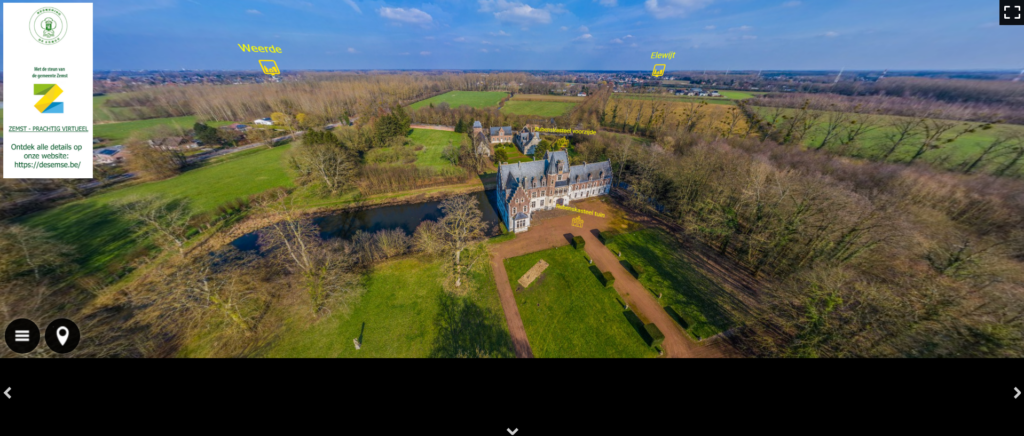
[{"x": 554, "y": 228}]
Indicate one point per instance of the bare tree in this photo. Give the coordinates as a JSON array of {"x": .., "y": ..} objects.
[
  {"x": 899, "y": 131},
  {"x": 166, "y": 219},
  {"x": 26, "y": 249},
  {"x": 462, "y": 223},
  {"x": 323, "y": 159}
]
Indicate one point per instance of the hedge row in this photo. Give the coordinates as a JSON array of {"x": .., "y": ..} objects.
[
  {"x": 578, "y": 242},
  {"x": 657, "y": 337},
  {"x": 609, "y": 279}
]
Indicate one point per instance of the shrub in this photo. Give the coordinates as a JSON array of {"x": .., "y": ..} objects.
[
  {"x": 657, "y": 337},
  {"x": 614, "y": 248},
  {"x": 578, "y": 242},
  {"x": 609, "y": 279},
  {"x": 503, "y": 228}
]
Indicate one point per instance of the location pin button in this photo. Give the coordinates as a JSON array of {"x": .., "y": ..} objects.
[{"x": 62, "y": 334}]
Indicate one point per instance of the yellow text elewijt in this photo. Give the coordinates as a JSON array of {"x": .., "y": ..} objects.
[{"x": 656, "y": 55}]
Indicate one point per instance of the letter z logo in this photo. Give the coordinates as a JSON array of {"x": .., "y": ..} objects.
[
  {"x": 47, "y": 105},
  {"x": 1011, "y": 12}
]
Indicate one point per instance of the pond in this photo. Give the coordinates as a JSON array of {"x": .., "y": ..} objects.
[{"x": 404, "y": 216}]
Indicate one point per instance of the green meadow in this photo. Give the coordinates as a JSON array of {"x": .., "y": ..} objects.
[
  {"x": 475, "y": 99},
  {"x": 103, "y": 239},
  {"x": 117, "y": 133},
  {"x": 539, "y": 108},
  {"x": 404, "y": 312}
]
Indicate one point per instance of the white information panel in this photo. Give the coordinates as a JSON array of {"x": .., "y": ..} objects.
[{"x": 47, "y": 91}]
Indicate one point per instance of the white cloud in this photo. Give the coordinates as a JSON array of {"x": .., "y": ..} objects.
[
  {"x": 633, "y": 45},
  {"x": 831, "y": 34},
  {"x": 627, "y": 36},
  {"x": 565, "y": 28},
  {"x": 616, "y": 41},
  {"x": 749, "y": 37},
  {"x": 460, "y": 39},
  {"x": 608, "y": 3},
  {"x": 791, "y": 4},
  {"x": 425, "y": 53},
  {"x": 520, "y": 13},
  {"x": 353, "y": 5},
  {"x": 583, "y": 29},
  {"x": 254, "y": 12},
  {"x": 583, "y": 37},
  {"x": 674, "y": 8},
  {"x": 411, "y": 15},
  {"x": 483, "y": 50},
  {"x": 500, "y": 33},
  {"x": 741, "y": 29},
  {"x": 404, "y": 53},
  {"x": 711, "y": 27},
  {"x": 352, "y": 50}
]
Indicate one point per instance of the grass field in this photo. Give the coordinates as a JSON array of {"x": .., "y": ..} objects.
[
  {"x": 475, "y": 99},
  {"x": 693, "y": 298},
  {"x": 1, "y": 122},
  {"x": 404, "y": 312},
  {"x": 117, "y": 133},
  {"x": 873, "y": 143},
  {"x": 101, "y": 238},
  {"x": 547, "y": 97},
  {"x": 514, "y": 155},
  {"x": 538, "y": 108},
  {"x": 434, "y": 142},
  {"x": 567, "y": 312},
  {"x": 739, "y": 95}
]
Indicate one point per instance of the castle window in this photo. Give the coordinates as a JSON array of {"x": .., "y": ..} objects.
[
  {"x": 533, "y": 204},
  {"x": 559, "y": 177},
  {"x": 513, "y": 211}
]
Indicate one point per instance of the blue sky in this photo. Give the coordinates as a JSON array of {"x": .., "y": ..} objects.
[{"x": 561, "y": 34}]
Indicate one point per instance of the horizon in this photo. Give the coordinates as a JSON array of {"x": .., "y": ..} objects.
[{"x": 577, "y": 35}]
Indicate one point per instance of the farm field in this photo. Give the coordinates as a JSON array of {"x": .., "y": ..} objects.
[
  {"x": 872, "y": 144},
  {"x": 692, "y": 297},
  {"x": 404, "y": 312},
  {"x": 101, "y": 237},
  {"x": 567, "y": 311},
  {"x": 117, "y": 133},
  {"x": 475, "y": 99},
  {"x": 740, "y": 95},
  {"x": 547, "y": 97},
  {"x": 538, "y": 108}
]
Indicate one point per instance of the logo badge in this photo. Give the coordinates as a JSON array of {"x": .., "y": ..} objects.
[
  {"x": 270, "y": 67},
  {"x": 50, "y": 92},
  {"x": 48, "y": 25},
  {"x": 658, "y": 72},
  {"x": 577, "y": 222}
]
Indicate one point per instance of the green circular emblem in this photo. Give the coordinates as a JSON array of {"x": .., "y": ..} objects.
[{"x": 48, "y": 25}]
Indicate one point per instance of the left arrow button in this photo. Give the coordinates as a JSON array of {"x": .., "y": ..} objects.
[{"x": 8, "y": 393}]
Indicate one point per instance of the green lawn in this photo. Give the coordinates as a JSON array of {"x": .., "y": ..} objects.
[
  {"x": 1, "y": 122},
  {"x": 475, "y": 99},
  {"x": 568, "y": 312},
  {"x": 698, "y": 304},
  {"x": 434, "y": 142},
  {"x": 872, "y": 144},
  {"x": 514, "y": 155},
  {"x": 404, "y": 312},
  {"x": 539, "y": 108},
  {"x": 117, "y": 133},
  {"x": 101, "y": 237},
  {"x": 738, "y": 95}
]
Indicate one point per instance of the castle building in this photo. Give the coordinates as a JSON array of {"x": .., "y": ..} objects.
[
  {"x": 526, "y": 140},
  {"x": 545, "y": 183}
]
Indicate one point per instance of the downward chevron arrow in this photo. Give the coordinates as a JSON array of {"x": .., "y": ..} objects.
[{"x": 512, "y": 432}]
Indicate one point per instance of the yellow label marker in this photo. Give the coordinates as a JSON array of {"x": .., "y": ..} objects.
[
  {"x": 270, "y": 67},
  {"x": 48, "y": 98}
]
